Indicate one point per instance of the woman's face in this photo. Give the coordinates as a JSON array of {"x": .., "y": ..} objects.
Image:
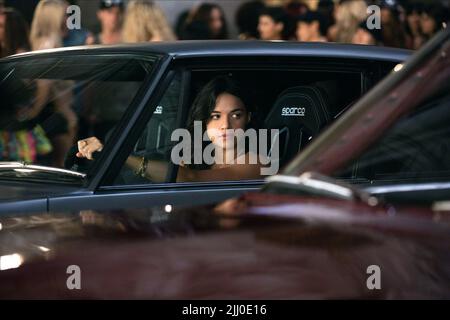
[
  {"x": 428, "y": 24},
  {"x": 413, "y": 20},
  {"x": 229, "y": 113},
  {"x": 215, "y": 21},
  {"x": 386, "y": 16},
  {"x": 269, "y": 29},
  {"x": 110, "y": 18},
  {"x": 363, "y": 37}
]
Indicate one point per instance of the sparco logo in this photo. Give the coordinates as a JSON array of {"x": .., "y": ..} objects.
[
  {"x": 293, "y": 112},
  {"x": 159, "y": 110}
]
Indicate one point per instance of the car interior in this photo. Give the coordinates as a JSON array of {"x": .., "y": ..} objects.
[{"x": 300, "y": 104}]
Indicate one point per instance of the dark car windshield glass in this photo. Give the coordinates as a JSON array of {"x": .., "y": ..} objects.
[
  {"x": 416, "y": 148},
  {"x": 48, "y": 104}
]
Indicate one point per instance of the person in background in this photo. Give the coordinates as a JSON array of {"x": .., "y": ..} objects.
[
  {"x": 110, "y": 15},
  {"x": 180, "y": 23},
  {"x": 52, "y": 106},
  {"x": 431, "y": 20},
  {"x": 20, "y": 140},
  {"x": 366, "y": 36},
  {"x": 295, "y": 8},
  {"x": 14, "y": 33},
  {"x": 75, "y": 37},
  {"x": 2, "y": 25},
  {"x": 247, "y": 18},
  {"x": 206, "y": 22},
  {"x": 414, "y": 35},
  {"x": 326, "y": 8},
  {"x": 348, "y": 15},
  {"x": 273, "y": 24},
  {"x": 394, "y": 34},
  {"x": 309, "y": 27},
  {"x": 145, "y": 21}
]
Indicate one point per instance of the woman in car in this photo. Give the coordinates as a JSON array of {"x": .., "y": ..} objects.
[{"x": 220, "y": 108}]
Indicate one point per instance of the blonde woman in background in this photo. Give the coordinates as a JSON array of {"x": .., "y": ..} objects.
[
  {"x": 53, "y": 97},
  {"x": 48, "y": 27},
  {"x": 348, "y": 15},
  {"x": 145, "y": 21}
]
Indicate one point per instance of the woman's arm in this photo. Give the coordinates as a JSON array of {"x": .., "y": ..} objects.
[
  {"x": 157, "y": 170},
  {"x": 154, "y": 170}
]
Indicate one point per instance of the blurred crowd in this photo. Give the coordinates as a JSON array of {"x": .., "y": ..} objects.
[{"x": 405, "y": 24}]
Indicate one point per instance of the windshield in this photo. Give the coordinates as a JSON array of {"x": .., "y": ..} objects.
[{"x": 49, "y": 103}]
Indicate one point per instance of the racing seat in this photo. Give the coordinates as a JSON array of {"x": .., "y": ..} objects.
[{"x": 299, "y": 113}]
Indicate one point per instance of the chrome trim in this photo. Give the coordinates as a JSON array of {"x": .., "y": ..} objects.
[
  {"x": 408, "y": 187},
  {"x": 23, "y": 166},
  {"x": 309, "y": 180}
]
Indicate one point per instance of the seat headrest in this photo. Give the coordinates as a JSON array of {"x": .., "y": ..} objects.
[
  {"x": 299, "y": 113},
  {"x": 300, "y": 107}
]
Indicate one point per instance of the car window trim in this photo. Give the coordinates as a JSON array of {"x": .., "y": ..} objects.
[
  {"x": 184, "y": 185},
  {"x": 135, "y": 129},
  {"x": 182, "y": 116}
]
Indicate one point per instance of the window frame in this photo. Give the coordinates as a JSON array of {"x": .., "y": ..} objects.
[{"x": 361, "y": 66}]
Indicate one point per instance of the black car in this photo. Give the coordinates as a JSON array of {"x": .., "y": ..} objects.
[{"x": 134, "y": 96}]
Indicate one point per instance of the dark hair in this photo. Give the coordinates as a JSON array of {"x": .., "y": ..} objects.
[
  {"x": 326, "y": 9},
  {"x": 279, "y": 15},
  {"x": 436, "y": 12},
  {"x": 180, "y": 24},
  {"x": 276, "y": 13},
  {"x": 14, "y": 94},
  {"x": 247, "y": 17},
  {"x": 413, "y": 7},
  {"x": 311, "y": 16},
  {"x": 16, "y": 33},
  {"x": 202, "y": 15},
  {"x": 205, "y": 102}
]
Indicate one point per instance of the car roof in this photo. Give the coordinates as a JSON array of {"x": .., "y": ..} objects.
[{"x": 238, "y": 48}]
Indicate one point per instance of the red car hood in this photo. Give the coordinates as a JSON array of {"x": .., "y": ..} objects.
[{"x": 259, "y": 246}]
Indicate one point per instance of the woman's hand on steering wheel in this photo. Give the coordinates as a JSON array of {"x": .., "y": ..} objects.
[{"x": 87, "y": 147}]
